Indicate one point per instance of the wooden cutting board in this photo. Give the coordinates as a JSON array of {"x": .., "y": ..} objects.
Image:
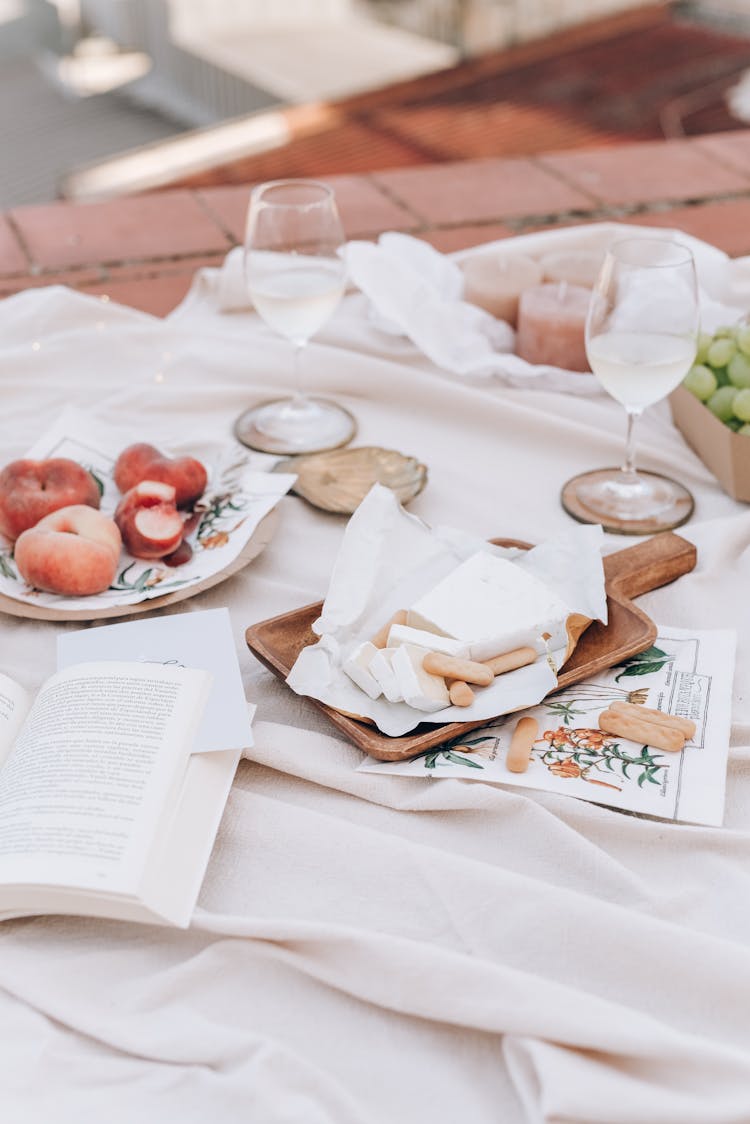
[{"x": 628, "y": 573}]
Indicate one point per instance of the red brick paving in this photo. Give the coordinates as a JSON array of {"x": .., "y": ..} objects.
[
  {"x": 481, "y": 191},
  {"x": 143, "y": 250},
  {"x": 725, "y": 224},
  {"x": 127, "y": 229},
  {"x": 647, "y": 172},
  {"x": 12, "y": 257},
  {"x": 364, "y": 208}
]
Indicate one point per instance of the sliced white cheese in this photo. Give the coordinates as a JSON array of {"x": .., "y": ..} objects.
[
  {"x": 402, "y": 634},
  {"x": 493, "y": 606},
  {"x": 381, "y": 670},
  {"x": 357, "y": 667},
  {"x": 418, "y": 688}
]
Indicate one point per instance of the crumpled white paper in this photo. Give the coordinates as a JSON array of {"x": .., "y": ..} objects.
[{"x": 388, "y": 558}]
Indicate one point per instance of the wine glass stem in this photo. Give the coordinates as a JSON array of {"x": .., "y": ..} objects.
[
  {"x": 628, "y": 467},
  {"x": 298, "y": 395}
]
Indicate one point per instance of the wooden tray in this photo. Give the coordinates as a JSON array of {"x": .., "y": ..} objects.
[
  {"x": 257, "y": 542},
  {"x": 628, "y": 573}
]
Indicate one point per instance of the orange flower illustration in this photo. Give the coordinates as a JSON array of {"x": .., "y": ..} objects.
[
  {"x": 219, "y": 538},
  {"x": 565, "y": 768}
]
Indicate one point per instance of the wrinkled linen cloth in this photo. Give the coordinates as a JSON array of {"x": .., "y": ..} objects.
[{"x": 372, "y": 949}]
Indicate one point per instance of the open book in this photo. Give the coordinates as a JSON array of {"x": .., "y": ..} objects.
[{"x": 106, "y": 807}]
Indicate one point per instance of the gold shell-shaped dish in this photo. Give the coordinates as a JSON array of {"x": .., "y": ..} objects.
[{"x": 339, "y": 480}]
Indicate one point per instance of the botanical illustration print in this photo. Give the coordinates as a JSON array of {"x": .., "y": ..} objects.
[
  {"x": 7, "y": 569},
  {"x": 684, "y": 673},
  {"x": 570, "y": 751},
  {"x": 645, "y": 663},
  {"x": 579, "y": 753}
]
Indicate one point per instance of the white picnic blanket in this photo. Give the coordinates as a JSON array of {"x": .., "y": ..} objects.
[{"x": 373, "y": 949}]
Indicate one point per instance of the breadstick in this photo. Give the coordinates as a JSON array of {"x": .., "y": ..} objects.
[
  {"x": 380, "y": 639},
  {"x": 510, "y": 661},
  {"x": 453, "y": 668},
  {"x": 684, "y": 725},
  {"x": 460, "y": 693},
  {"x": 639, "y": 730},
  {"x": 521, "y": 744}
]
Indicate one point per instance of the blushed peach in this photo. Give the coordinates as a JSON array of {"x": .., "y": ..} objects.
[
  {"x": 141, "y": 462},
  {"x": 73, "y": 551},
  {"x": 30, "y": 489},
  {"x": 150, "y": 524}
]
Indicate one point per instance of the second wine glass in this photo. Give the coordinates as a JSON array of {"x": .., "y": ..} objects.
[
  {"x": 641, "y": 340},
  {"x": 295, "y": 275}
]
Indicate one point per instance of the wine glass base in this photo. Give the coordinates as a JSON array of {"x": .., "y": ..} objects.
[
  {"x": 277, "y": 427},
  {"x": 594, "y": 497}
]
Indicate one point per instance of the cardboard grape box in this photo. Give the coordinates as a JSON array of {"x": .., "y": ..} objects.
[{"x": 727, "y": 454}]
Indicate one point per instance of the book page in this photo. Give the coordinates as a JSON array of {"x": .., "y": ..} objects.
[
  {"x": 15, "y": 703},
  {"x": 89, "y": 776},
  {"x": 197, "y": 639}
]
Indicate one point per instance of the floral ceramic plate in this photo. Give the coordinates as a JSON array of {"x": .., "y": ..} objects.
[{"x": 230, "y": 525}]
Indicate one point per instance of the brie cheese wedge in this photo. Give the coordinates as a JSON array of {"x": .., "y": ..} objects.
[
  {"x": 403, "y": 634},
  {"x": 493, "y": 606},
  {"x": 382, "y": 671},
  {"x": 418, "y": 688},
  {"x": 357, "y": 667}
]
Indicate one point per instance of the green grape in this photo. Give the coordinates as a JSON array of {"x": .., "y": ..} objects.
[
  {"x": 739, "y": 370},
  {"x": 700, "y": 381},
  {"x": 705, "y": 339},
  {"x": 721, "y": 352},
  {"x": 743, "y": 339},
  {"x": 726, "y": 331},
  {"x": 745, "y": 429},
  {"x": 721, "y": 401},
  {"x": 741, "y": 405}
]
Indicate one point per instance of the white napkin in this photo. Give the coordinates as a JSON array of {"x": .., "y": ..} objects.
[{"x": 416, "y": 289}]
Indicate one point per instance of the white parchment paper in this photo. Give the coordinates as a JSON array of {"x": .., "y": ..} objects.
[{"x": 387, "y": 559}]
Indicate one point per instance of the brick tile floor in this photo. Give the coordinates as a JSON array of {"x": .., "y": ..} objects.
[
  {"x": 725, "y": 224},
  {"x": 365, "y": 209},
  {"x": 482, "y": 190},
  {"x": 12, "y": 256},
  {"x": 635, "y": 174},
  {"x": 143, "y": 250},
  {"x": 731, "y": 149},
  {"x": 136, "y": 227}
]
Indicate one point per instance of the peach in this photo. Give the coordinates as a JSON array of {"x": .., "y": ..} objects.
[
  {"x": 29, "y": 490},
  {"x": 73, "y": 551},
  {"x": 141, "y": 462},
  {"x": 149, "y": 521}
]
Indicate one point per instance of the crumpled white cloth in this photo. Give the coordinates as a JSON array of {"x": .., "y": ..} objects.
[
  {"x": 414, "y": 291},
  {"x": 376, "y": 948}
]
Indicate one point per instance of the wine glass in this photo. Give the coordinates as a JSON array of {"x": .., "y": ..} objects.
[
  {"x": 295, "y": 276},
  {"x": 641, "y": 340}
]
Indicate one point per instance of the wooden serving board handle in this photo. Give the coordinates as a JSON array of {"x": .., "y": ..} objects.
[{"x": 647, "y": 565}]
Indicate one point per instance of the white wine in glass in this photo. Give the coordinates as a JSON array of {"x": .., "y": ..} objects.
[
  {"x": 295, "y": 276},
  {"x": 641, "y": 340}
]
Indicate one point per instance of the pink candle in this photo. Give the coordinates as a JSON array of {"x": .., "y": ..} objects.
[
  {"x": 551, "y": 323},
  {"x": 579, "y": 267},
  {"x": 495, "y": 282}
]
